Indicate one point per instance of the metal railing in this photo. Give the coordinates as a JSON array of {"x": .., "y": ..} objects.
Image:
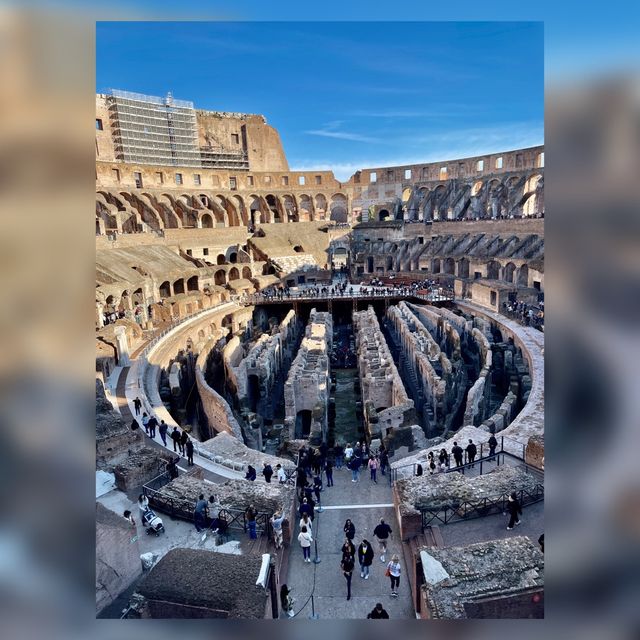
[
  {"x": 230, "y": 519},
  {"x": 410, "y": 469},
  {"x": 467, "y": 510}
]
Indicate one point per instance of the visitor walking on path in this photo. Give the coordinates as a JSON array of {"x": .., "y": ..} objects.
[
  {"x": 189, "y": 449},
  {"x": 328, "y": 469},
  {"x": 515, "y": 510},
  {"x": 338, "y": 452},
  {"x": 305, "y": 521},
  {"x": 493, "y": 443},
  {"x": 184, "y": 438},
  {"x": 373, "y": 468},
  {"x": 282, "y": 476},
  {"x": 354, "y": 465},
  {"x": 349, "y": 529},
  {"x": 394, "y": 569},
  {"x": 251, "y": 473},
  {"x": 457, "y": 452},
  {"x": 143, "y": 505},
  {"x": 175, "y": 436},
  {"x": 251, "y": 514},
  {"x": 267, "y": 472},
  {"x": 286, "y": 601},
  {"x": 163, "y": 428},
  {"x": 317, "y": 486},
  {"x": 145, "y": 422},
  {"x": 384, "y": 459},
  {"x": 153, "y": 422},
  {"x": 378, "y": 612},
  {"x": 365, "y": 558},
  {"x": 138, "y": 405},
  {"x": 347, "y": 565},
  {"x": 472, "y": 451},
  {"x": 348, "y": 548},
  {"x": 305, "y": 539},
  {"x": 382, "y": 533},
  {"x": 306, "y": 508}
]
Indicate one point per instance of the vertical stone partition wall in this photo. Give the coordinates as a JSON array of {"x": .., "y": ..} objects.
[
  {"x": 387, "y": 406},
  {"x": 306, "y": 392},
  {"x": 252, "y": 374}
]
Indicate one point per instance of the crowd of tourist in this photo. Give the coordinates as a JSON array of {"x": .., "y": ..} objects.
[{"x": 527, "y": 314}]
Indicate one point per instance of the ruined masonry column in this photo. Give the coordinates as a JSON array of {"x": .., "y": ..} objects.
[{"x": 123, "y": 346}]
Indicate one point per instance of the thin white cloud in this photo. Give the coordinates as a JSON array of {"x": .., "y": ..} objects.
[{"x": 330, "y": 130}]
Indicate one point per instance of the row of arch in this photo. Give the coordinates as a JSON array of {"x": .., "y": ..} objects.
[{"x": 129, "y": 212}]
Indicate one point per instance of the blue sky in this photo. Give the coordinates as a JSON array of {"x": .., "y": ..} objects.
[{"x": 346, "y": 95}]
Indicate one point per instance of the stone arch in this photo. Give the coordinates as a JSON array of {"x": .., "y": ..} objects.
[
  {"x": 339, "y": 208},
  {"x": 389, "y": 263},
  {"x": 463, "y": 268},
  {"x": 256, "y": 211},
  {"x": 406, "y": 194},
  {"x": 246, "y": 273},
  {"x": 383, "y": 215},
  {"x": 509, "y": 272},
  {"x": 241, "y": 208},
  {"x": 477, "y": 186},
  {"x": 449, "y": 266},
  {"x": 298, "y": 249},
  {"x": 435, "y": 265},
  {"x": 530, "y": 198},
  {"x": 304, "y": 419},
  {"x": 290, "y": 208},
  {"x": 192, "y": 283},
  {"x": 220, "y": 277},
  {"x": 274, "y": 206},
  {"x": 439, "y": 208},
  {"x": 305, "y": 208},
  {"x": 370, "y": 264},
  {"x": 523, "y": 276},
  {"x": 178, "y": 286},
  {"x": 206, "y": 221},
  {"x": 165, "y": 289},
  {"x": 234, "y": 274},
  {"x": 493, "y": 270},
  {"x": 321, "y": 206}
]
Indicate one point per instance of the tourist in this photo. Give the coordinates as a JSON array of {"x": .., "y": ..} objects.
[
  {"x": 276, "y": 524},
  {"x": 143, "y": 505},
  {"x": 200, "y": 513},
  {"x": 378, "y": 613},
  {"x": 514, "y": 509},
  {"x": 306, "y": 507},
  {"x": 145, "y": 422},
  {"x": 354, "y": 465},
  {"x": 493, "y": 443},
  {"x": 338, "y": 452},
  {"x": 349, "y": 529},
  {"x": 347, "y": 565},
  {"x": 163, "y": 428},
  {"x": 251, "y": 473},
  {"x": 472, "y": 450},
  {"x": 317, "y": 486},
  {"x": 184, "y": 438},
  {"x": 443, "y": 458},
  {"x": 373, "y": 468},
  {"x": 172, "y": 468},
  {"x": 348, "y": 548},
  {"x": 286, "y": 601},
  {"x": 316, "y": 462},
  {"x": 129, "y": 518},
  {"x": 348, "y": 453},
  {"x": 328, "y": 469},
  {"x": 365, "y": 558},
  {"x": 152, "y": 427},
  {"x": 267, "y": 472},
  {"x": 382, "y": 533},
  {"x": 394, "y": 569},
  {"x": 175, "y": 436},
  {"x": 134, "y": 425},
  {"x": 306, "y": 521},
  {"x": 301, "y": 483},
  {"x": 457, "y": 453},
  {"x": 282, "y": 476},
  {"x": 189, "y": 450},
  {"x": 305, "y": 539},
  {"x": 137, "y": 404},
  {"x": 384, "y": 459},
  {"x": 357, "y": 450},
  {"x": 431, "y": 466},
  {"x": 419, "y": 470},
  {"x": 250, "y": 515}
]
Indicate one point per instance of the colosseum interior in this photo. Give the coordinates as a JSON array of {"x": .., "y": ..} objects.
[{"x": 262, "y": 311}]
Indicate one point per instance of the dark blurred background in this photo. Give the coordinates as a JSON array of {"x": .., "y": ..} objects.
[{"x": 592, "y": 186}]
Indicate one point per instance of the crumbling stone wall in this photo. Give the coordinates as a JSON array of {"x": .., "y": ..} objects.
[
  {"x": 534, "y": 452},
  {"x": 117, "y": 555},
  {"x": 139, "y": 467},
  {"x": 307, "y": 386},
  {"x": 385, "y": 400}
]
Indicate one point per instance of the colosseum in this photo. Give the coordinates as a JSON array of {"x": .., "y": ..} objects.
[{"x": 266, "y": 337}]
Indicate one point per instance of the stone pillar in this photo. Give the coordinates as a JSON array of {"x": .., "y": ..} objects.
[{"x": 123, "y": 346}]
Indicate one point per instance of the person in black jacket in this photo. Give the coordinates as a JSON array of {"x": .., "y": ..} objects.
[
  {"x": 493, "y": 443},
  {"x": 378, "y": 612},
  {"x": 251, "y": 473},
  {"x": 382, "y": 533},
  {"x": 349, "y": 529},
  {"x": 365, "y": 558},
  {"x": 348, "y": 548},
  {"x": 472, "y": 450},
  {"x": 175, "y": 436},
  {"x": 184, "y": 438},
  {"x": 189, "y": 449},
  {"x": 267, "y": 472},
  {"x": 515, "y": 510},
  {"x": 347, "y": 570},
  {"x": 457, "y": 452}
]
